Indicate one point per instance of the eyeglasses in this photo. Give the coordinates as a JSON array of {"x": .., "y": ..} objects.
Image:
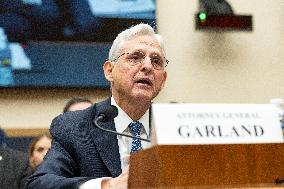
[{"x": 138, "y": 57}]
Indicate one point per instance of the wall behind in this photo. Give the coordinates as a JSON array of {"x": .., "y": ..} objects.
[
  {"x": 205, "y": 67},
  {"x": 35, "y": 108},
  {"x": 223, "y": 67}
]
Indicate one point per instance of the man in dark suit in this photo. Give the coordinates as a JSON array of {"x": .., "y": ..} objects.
[
  {"x": 13, "y": 165},
  {"x": 13, "y": 168},
  {"x": 83, "y": 156}
]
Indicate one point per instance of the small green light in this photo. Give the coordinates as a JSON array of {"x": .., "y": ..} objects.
[{"x": 202, "y": 16}]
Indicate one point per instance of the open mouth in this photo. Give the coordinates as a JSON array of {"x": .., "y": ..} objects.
[{"x": 144, "y": 82}]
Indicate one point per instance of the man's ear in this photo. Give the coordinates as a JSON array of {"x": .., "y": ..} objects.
[
  {"x": 165, "y": 75},
  {"x": 108, "y": 68}
]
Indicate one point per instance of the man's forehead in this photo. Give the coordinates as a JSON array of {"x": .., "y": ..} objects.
[
  {"x": 145, "y": 39},
  {"x": 140, "y": 41}
]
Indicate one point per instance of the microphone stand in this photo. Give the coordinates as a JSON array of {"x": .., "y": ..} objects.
[{"x": 117, "y": 133}]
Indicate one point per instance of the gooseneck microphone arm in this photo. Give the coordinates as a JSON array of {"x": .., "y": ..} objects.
[
  {"x": 101, "y": 117},
  {"x": 108, "y": 114}
]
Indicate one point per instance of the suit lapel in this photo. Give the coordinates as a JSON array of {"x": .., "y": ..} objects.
[{"x": 106, "y": 142}]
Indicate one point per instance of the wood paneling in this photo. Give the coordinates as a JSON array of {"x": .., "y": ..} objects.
[
  {"x": 208, "y": 166},
  {"x": 25, "y": 132}
]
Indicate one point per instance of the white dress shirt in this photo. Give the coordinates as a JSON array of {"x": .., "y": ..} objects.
[{"x": 124, "y": 143}]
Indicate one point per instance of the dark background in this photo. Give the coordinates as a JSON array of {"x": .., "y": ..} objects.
[{"x": 66, "y": 43}]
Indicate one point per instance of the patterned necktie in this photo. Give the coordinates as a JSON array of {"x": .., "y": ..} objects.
[{"x": 135, "y": 128}]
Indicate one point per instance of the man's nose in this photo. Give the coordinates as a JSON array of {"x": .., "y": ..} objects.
[{"x": 147, "y": 64}]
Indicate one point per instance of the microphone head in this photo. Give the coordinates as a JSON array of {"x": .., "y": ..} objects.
[{"x": 109, "y": 113}]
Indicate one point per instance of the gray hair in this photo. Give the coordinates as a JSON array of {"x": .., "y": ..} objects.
[{"x": 130, "y": 33}]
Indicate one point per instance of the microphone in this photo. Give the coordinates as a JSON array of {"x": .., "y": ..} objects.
[{"x": 108, "y": 114}]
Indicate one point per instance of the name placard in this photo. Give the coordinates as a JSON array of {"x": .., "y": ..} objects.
[{"x": 176, "y": 124}]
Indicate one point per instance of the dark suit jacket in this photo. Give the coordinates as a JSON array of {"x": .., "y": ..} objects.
[
  {"x": 13, "y": 167},
  {"x": 79, "y": 151}
]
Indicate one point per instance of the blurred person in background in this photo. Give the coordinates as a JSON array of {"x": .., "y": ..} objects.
[
  {"x": 38, "y": 149},
  {"x": 13, "y": 165},
  {"x": 77, "y": 103}
]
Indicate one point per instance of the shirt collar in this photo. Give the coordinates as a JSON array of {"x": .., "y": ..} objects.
[{"x": 123, "y": 120}]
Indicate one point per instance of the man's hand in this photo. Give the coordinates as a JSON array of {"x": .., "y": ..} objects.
[{"x": 119, "y": 182}]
